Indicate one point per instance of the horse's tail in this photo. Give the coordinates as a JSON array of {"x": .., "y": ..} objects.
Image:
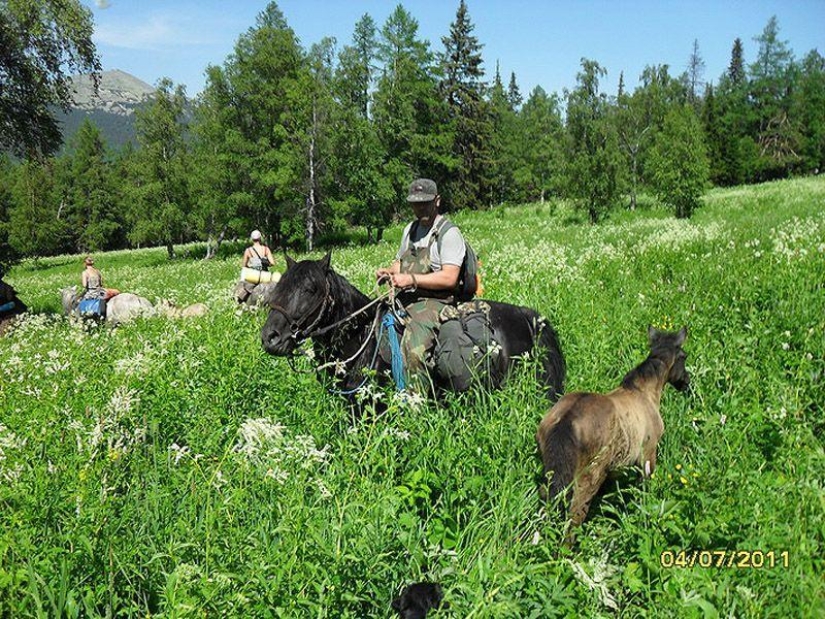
[
  {"x": 560, "y": 456},
  {"x": 553, "y": 368}
]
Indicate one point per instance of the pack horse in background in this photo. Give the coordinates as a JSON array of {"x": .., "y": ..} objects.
[{"x": 313, "y": 301}]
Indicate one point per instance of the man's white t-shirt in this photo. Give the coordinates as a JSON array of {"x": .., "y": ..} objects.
[{"x": 452, "y": 244}]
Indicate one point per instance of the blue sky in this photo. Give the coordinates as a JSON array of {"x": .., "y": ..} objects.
[{"x": 542, "y": 41}]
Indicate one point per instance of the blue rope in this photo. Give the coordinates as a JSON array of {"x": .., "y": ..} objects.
[{"x": 388, "y": 322}]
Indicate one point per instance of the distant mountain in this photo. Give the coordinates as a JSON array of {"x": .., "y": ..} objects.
[{"x": 112, "y": 110}]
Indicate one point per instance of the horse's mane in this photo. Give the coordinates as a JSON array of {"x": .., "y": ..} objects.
[{"x": 347, "y": 297}]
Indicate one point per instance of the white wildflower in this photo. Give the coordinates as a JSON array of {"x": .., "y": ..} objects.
[
  {"x": 122, "y": 401},
  {"x": 179, "y": 452},
  {"x": 256, "y": 435},
  {"x": 278, "y": 475},
  {"x": 409, "y": 399},
  {"x": 324, "y": 491},
  {"x": 602, "y": 571}
]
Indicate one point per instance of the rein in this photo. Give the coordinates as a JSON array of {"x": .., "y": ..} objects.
[{"x": 324, "y": 304}]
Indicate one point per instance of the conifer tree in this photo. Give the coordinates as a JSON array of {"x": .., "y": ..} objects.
[
  {"x": 503, "y": 120},
  {"x": 594, "y": 160},
  {"x": 356, "y": 67},
  {"x": 513, "y": 93},
  {"x": 736, "y": 68},
  {"x": 732, "y": 150},
  {"x": 89, "y": 208},
  {"x": 357, "y": 156},
  {"x": 809, "y": 110},
  {"x": 693, "y": 77},
  {"x": 410, "y": 117},
  {"x": 160, "y": 190},
  {"x": 464, "y": 89},
  {"x": 222, "y": 189},
  {"x": 771, "y": 86},
  {"x": 35, "y": 228},
  {"x": 678, "y": 162}
]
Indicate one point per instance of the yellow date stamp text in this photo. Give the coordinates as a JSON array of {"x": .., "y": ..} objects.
[{"x": 737, "y": 559}]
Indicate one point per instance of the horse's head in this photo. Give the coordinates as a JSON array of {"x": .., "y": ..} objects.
[
  {"x": 298, "y": 304},
  {"x": 672, "y": 343},
  {"x": 68, "y": 296}
]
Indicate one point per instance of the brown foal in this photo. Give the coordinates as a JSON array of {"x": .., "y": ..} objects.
[{"x": 585, "y": 436}]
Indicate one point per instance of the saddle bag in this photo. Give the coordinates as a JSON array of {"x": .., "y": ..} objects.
[
  {"x": 92, "y": 308},
  {"x": 466, "y": 351}
]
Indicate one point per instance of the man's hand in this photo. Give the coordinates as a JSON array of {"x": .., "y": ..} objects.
[
  {"x": 383, "y": 276},
  {"x": 402, "y": 280}
]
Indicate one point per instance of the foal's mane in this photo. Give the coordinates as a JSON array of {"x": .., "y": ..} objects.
[{"x": 657, "y": 363}]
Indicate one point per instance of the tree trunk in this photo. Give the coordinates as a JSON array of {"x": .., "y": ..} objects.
[
  {"x": 170, "y": 250},
  {"x": 310, "y": 206},
  {"x": 212, "y": 250}
]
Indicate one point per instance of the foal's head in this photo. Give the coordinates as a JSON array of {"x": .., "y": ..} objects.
[{"x": 669, "y": 346}]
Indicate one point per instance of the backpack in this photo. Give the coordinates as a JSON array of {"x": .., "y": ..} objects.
[
  {"x": 468, "y": 276},
  {"x": 466, "y": 352}
]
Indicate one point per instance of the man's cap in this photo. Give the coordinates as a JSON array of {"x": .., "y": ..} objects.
[
  {"x": 256, "y": 235},
  {"x": 89, "y": 260},
  {"x": 422, "y": 190}
]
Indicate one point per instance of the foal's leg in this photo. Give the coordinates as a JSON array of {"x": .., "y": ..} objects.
[{"x": 586, "y": 487}]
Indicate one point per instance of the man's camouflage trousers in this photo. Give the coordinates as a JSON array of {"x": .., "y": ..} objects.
[{"x": 418, "y": 341}]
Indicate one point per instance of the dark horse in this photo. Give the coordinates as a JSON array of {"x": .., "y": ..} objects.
[
  {"x": 10, "y": 305},
  {"x": 313, "y": 301}
]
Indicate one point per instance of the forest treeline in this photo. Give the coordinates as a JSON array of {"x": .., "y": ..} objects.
[{"x": 308, "y": 142}]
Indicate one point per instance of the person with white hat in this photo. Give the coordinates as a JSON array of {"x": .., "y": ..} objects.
[{"x": 257, "y": 256}]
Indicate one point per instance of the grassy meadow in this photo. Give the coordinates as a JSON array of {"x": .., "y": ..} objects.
[{"x": 170, "y": 468}]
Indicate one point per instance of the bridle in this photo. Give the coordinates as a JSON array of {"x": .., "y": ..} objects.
[
  {"x": 299, "y": 333},
  {"x": 324, "y": 304}
]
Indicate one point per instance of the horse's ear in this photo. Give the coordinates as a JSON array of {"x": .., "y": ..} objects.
[
  {"x": 681, "y": 336},
  {"x": 325, "y": 261},
  {"x": 651, "y": 334},
  {"x": 289, "y": 261}
]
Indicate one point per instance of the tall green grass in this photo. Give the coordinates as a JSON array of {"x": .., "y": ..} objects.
[{"x": 172, "y": 469}]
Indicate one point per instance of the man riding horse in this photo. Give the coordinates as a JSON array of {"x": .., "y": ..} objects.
[{"x": 426, "y": 272}]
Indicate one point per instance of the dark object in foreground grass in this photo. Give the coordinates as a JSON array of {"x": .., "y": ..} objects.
[
  {"x": 417, "y": 599},
  {"x": 10, "y": 305},
  {"x": 587, "y": 435},
  {"x": 313, "y": 301}
]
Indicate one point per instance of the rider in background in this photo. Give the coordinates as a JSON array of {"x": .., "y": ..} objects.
[
  {"x": 426, "y": 272},
  {"x": 92, "y": 281},
  {"x": 257, "y": 256}
]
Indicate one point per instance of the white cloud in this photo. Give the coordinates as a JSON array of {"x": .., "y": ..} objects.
[{"x": 103, "y": 4}]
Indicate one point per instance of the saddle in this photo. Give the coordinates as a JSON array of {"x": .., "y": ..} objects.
[{"x": 466, "y": 352}]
